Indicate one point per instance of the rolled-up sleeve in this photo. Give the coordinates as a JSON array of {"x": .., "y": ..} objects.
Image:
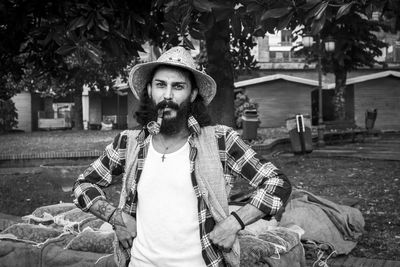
[
  {"x": 273, "y": 188},
  {"x": 88, "y": 187}
]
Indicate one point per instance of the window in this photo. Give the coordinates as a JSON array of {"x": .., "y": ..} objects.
[
  {"x": 279, "y": 56},
  {"x": 286, "y": 38}
]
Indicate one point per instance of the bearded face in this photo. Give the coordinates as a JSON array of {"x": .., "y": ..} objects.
[{"x": 170, "y": 90}]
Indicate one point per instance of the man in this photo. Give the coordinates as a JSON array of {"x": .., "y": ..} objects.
[{"x": 177, "y": 174}]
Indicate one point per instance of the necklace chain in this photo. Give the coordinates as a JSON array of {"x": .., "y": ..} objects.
[
  {"x": 166, "y": 150},
  {"x": 165, "y": 147}
]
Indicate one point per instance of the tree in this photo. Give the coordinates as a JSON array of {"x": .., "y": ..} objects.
[
  {"x": 226, "y": 30},
  {"x": 13, "y": 26},
  {"x": 80, "y": 42},
  {"x": 356, "y": 46},
  {"x": 346, "y": 21},
  {"x": 90, "y": 42},
  {"x": 389, "y": 11}
]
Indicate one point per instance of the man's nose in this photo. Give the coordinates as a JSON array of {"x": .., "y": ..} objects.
[{"x": 168, "y": 93}]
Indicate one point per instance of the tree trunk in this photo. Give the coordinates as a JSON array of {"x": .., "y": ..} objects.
[
  {"x": 339, "y": 99},
  {"x": 77, "y": 114},
  {"x": 220, "y": 68},
  {"x": 48, "y": 107}
]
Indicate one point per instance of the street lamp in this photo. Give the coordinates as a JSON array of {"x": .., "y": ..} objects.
[
  {"x": 329, "y": 44},
  {"x": 308, "y": 41}
]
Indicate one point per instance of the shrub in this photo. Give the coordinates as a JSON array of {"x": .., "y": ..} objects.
[
  {"x": 8, "y": 115},
  {"x": 242, "y": 103}
]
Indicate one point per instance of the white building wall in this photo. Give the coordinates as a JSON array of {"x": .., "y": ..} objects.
[
  {"x": 23, "y": 104},
  {"x": 85, "y": 107}
]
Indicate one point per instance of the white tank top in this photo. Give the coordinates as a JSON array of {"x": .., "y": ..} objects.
[{"x": 167, "y": 216}]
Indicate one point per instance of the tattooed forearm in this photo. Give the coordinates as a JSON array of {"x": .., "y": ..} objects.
[
  {"x": 118, "y": 220},
  {"x": 102, "y": 209}
]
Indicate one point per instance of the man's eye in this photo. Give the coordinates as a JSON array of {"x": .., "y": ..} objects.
[
  {"x": 160, "y": 84},
  {"x": 179, "y": 87}
]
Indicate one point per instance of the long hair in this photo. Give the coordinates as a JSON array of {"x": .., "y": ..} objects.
[{"x": 197, "y": 109}]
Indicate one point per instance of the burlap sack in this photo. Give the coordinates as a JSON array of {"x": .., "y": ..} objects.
[
  {"x": 53, "y": 209},
  {"x": 32, "y": 232},
  {"x": 93, "y": 241}
]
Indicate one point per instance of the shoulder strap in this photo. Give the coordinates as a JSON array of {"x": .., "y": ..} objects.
[
  {"x": 209, "y": 171},
  {"x": 132, "y": 150},
  {"x": 212, "y": 184}
]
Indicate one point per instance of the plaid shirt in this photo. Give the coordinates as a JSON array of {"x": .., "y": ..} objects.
[{"x": 237, "y": 158}]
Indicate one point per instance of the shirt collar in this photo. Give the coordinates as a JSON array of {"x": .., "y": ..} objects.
[{"x": 194, "y": 126}]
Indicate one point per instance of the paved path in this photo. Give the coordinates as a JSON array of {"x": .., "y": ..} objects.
[
  {"x": 350, "y": 261},
  {"x": 381, "y": 149},
  {"x": 21, "y": 170}
]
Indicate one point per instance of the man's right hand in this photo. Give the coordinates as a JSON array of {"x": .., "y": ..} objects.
[
  {"x": 125, "y": 227},
  {"x": 124, "y": 224}
]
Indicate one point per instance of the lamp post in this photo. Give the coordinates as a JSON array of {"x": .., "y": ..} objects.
[{"x": 329, "y": 43}]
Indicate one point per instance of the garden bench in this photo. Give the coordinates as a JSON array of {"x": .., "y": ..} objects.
[
  {"x": 342, "y": 131},
  {"x": 341, "y": 136}
]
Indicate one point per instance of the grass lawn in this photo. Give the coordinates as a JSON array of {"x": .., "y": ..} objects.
[
  {"x": 55, "y": 141},
  {"x": 375, "y": 183},
  {"x": 75, "y": 141}
]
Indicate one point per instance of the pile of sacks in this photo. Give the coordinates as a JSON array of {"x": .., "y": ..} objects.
[
  {"x": 63, "y": 235},
  {"x": 57, "y": 235}
]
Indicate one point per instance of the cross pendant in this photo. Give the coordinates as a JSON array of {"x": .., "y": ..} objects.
[{"x": 163, "y": 157}]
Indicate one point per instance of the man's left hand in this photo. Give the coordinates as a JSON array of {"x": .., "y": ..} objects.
[{"x": 224, "y": 233}]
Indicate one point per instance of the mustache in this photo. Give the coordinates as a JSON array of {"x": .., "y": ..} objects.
[{"x": 167, "y": 103}]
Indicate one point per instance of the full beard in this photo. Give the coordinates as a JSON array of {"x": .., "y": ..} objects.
[{"x": 171, "y": 126}]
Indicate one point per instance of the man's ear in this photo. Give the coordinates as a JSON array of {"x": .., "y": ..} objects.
[
  {"x": 193, "y": 94},
  {"x": 149, "y": 90}
]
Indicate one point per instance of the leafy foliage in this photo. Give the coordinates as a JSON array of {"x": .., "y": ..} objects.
[
  {"x": 88, "y": 42},
  {"x": 243, "y": 103},
  {"x": 388, "y": 11},
  {"x": 347, "y": 22},
  {"x": 91, "y": 42},
  {"x": 74, "y": 43},
  {"x": 186, "y": 20},
  {"x": 13, "y": 24},
  {"x": 242, "y": 59},
  {"x": 8, "y": 116}
]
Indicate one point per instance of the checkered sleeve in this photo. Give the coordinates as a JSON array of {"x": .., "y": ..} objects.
[
  {"x": 88, "y": 187},
  {"x": 272, "y": 186}
]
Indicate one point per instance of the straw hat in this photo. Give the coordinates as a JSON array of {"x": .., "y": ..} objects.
[{"x": 139, "y": 75}]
